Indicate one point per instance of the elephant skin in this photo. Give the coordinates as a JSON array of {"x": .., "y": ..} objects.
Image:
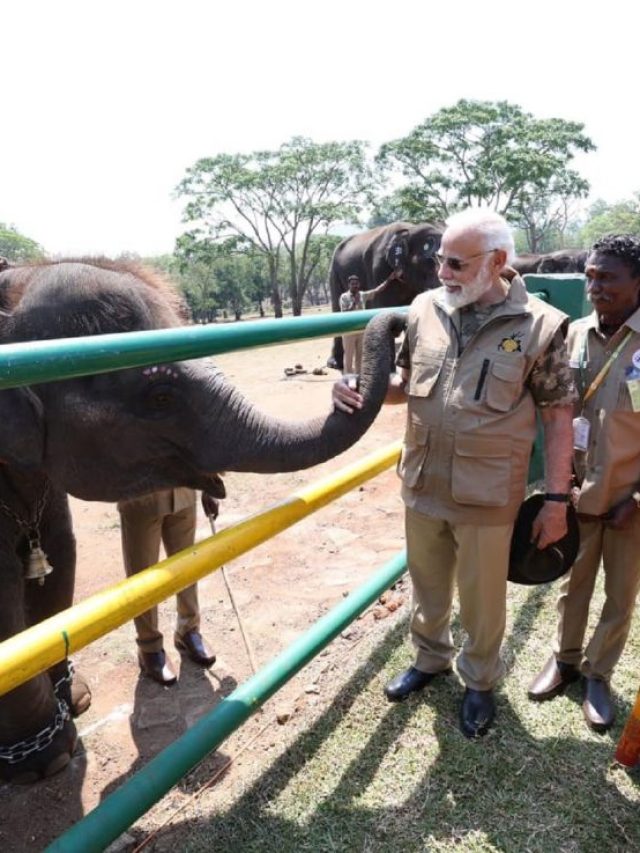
[
  {"x": 117, "y": 435},
  {"x": 373, "y": 255},
  {"x": 526, "y": 263},
  {"x": 564, "y": 261}
]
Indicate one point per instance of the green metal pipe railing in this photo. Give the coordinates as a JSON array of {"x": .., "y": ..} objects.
[
  {"x": 139, "y": 793},
  {"x": 66, "y": 358}
]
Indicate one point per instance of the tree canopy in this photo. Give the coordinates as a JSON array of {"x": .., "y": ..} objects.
[
  {"x": 16, "y": 247},
  {"x": 622, "y": 217},
  {"x": 275, "y": 203},
  {"x": 488, "y": 153}
]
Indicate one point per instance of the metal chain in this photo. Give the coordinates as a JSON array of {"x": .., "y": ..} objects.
[
  {"x": 22, "y": 523},
  {"x": 65, "y": 679},
  {"x": 38, "y": 743}
]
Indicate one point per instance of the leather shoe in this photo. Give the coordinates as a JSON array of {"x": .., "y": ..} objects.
[
  {"x": 156, "y": 666},
  {"x": 195, "y": 647},
  {"x": 477, "y": 712},
  {"x": 552, "y": 680},
  {"x": 409, "y": 681},
  {"x": 598, "y": 707}
]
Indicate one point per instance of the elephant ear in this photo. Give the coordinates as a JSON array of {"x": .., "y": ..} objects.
[
  {"x": 21, "y": 428},
  {"x": 397, "y": 250}
]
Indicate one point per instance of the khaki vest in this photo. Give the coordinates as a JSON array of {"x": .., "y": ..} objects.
[
  {"x": 471, "y": 419},
  {"x": 610, "y": 470}
]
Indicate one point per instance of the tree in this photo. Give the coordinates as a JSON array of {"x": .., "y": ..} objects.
[
  {"x": 275, "y": 202},
  {"x": 493, "y": 154},
  {"x": 622, "y": 217},
  {"x": 16, "y": 247}
]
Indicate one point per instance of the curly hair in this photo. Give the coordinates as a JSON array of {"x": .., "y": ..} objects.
[{"x": 625, "y": 247}]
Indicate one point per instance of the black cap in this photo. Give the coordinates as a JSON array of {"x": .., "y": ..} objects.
[{"x": 527, "y": 563}]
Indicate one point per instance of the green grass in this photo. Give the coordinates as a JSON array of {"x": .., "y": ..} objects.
[{"x": 366, "y": 775}]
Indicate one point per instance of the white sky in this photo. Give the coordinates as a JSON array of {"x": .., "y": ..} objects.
[{"x": 105, "y": 104}]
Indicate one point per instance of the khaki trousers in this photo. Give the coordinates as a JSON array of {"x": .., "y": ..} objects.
[
  {"x": 142, "y": 533},
  {"x": 438, "y": 551},
  {"x": 619, "y": 551},
  {"x": 352, "y": 345}
]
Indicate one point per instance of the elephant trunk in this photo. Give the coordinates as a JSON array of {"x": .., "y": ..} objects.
[{"x": 263, "y": 444}]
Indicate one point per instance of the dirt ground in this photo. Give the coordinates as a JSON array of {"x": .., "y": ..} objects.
[{"x": 280, "y": 589}]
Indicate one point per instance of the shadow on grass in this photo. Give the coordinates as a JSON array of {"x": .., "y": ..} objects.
[{"x": 373, "y": 776}]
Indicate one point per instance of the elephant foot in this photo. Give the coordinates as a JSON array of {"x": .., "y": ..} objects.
[
  {"x": 71, "y": 687},
  {"x": 34, "y": 758}
]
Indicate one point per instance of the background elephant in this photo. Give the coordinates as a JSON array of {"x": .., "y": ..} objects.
[
  {"x": 373, "y": 255},
  {"x": 565, "y": 260},
  {"x": 114, "y": 436},
  {"x": 526, "y": 263}
]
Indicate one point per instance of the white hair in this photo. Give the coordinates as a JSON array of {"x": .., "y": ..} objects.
[{"x": 493, "y": 228}]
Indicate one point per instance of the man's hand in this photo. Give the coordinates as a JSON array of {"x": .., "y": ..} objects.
[
  {"x": 210, "y": 505},
  {"x": 550, "y": 524},
  {"x": 345, "y": 399}
]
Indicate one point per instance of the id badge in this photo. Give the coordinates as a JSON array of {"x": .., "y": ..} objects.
[
  {"x": 581, "y": 429},
  {"x": 634, "y": 393}
]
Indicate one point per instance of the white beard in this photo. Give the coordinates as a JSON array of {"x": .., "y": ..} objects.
[{"x": 470, "y": 292}]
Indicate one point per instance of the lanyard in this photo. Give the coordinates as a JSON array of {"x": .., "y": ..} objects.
[{"x": 599, "y": 379}]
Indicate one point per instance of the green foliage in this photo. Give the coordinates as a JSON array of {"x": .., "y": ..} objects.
[
  {"x": 493, "y": 154},
  {"x": 16, "y": 247},
  {"x": 622, "y": 217},
  {"x": 274, "y": 203}
]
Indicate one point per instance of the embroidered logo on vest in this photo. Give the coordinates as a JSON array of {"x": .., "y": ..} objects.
[{"x": 511, "y": 344}]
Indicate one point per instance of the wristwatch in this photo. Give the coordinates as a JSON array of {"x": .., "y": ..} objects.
[
  {"x": 560, "y": 497},
  {"x": 636, "y": 496}
]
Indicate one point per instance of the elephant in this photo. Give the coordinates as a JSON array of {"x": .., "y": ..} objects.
[
  {"x": 114, "y": 436},
  {"x": 400, "y": 247},
  {"x": 526, "y": 263},
  {"x": 565, "y": 260}
]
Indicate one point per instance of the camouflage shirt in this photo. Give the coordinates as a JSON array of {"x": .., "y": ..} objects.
[{"x": 550, "y": 380}]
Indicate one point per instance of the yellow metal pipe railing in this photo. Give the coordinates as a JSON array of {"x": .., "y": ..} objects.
[{"x": 36, "y": 649}]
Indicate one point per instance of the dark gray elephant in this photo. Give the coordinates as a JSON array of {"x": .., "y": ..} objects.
[
  {"x": 526, "y": 263},
  {"x": 114, "y": 436},
  {"x": 373, "y": 255},
  {"x": 563, "y": 261}
]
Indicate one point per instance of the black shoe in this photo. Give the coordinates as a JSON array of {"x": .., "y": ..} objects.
[
  {"x": 195, "y": 647},
  {"x": 409, "y": 681},
  {"x": 552, "y": 680},
  {"x": 598, "y": 707},
  {"x": 156, "y": 666},
  {"x": 477, "y": 712}
]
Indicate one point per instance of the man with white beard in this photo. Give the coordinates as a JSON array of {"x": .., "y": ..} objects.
[{"x": 480, "y": 357}]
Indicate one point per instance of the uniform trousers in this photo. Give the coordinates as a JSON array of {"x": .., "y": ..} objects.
[
  {"x": 437, "y": 552},
  {"x": 352, "y": 345},
  {"x": 142, "y": 532},
  {"x": 619, "y": 551}
]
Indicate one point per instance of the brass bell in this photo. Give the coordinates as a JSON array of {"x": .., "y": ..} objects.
[{"x": 38, "y": 567}]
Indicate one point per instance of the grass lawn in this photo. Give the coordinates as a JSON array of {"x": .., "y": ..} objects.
[{"x": 366, "y": 775}]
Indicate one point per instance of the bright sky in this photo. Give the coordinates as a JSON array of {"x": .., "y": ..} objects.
[{"x": 106, "y": 104}]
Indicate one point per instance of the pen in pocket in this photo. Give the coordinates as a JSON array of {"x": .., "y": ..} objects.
[{"x": 481, "y": 379}]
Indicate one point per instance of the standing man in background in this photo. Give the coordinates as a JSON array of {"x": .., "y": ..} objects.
[
  {"x": 355, "y": 299},
  {"x": 167, "y": 517}
]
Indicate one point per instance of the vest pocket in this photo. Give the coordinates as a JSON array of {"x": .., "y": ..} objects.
[
  {"x": 504, "y": 385},
  {"x": 425, "y": 370},
  {"x": 414, "y": 455},
  {"x": 481, "y": 470}
]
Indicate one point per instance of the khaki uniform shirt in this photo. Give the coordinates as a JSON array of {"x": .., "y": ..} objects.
[
  {"x": 471, "y": 414},
  {"x": 349, "y": 302},
  {"x": 610, "y": 468}
]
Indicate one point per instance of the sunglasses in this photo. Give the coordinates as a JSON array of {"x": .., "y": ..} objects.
[{"x": 456, "y": 264}]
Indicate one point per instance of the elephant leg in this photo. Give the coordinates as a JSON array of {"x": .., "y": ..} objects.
[{"x": 37, "y": 736}]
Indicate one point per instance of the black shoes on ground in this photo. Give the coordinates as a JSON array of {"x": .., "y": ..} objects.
[
  {"x": 597, "y": 706},
  {"x": 156, "y": 665},
  {"x": 477, "y": 712},
  {"x": 194, "y": 646},
  {"x": 410, "y": 681}
]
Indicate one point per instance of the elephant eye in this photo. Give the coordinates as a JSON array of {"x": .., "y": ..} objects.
[{"x": 160, "y": 398}]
